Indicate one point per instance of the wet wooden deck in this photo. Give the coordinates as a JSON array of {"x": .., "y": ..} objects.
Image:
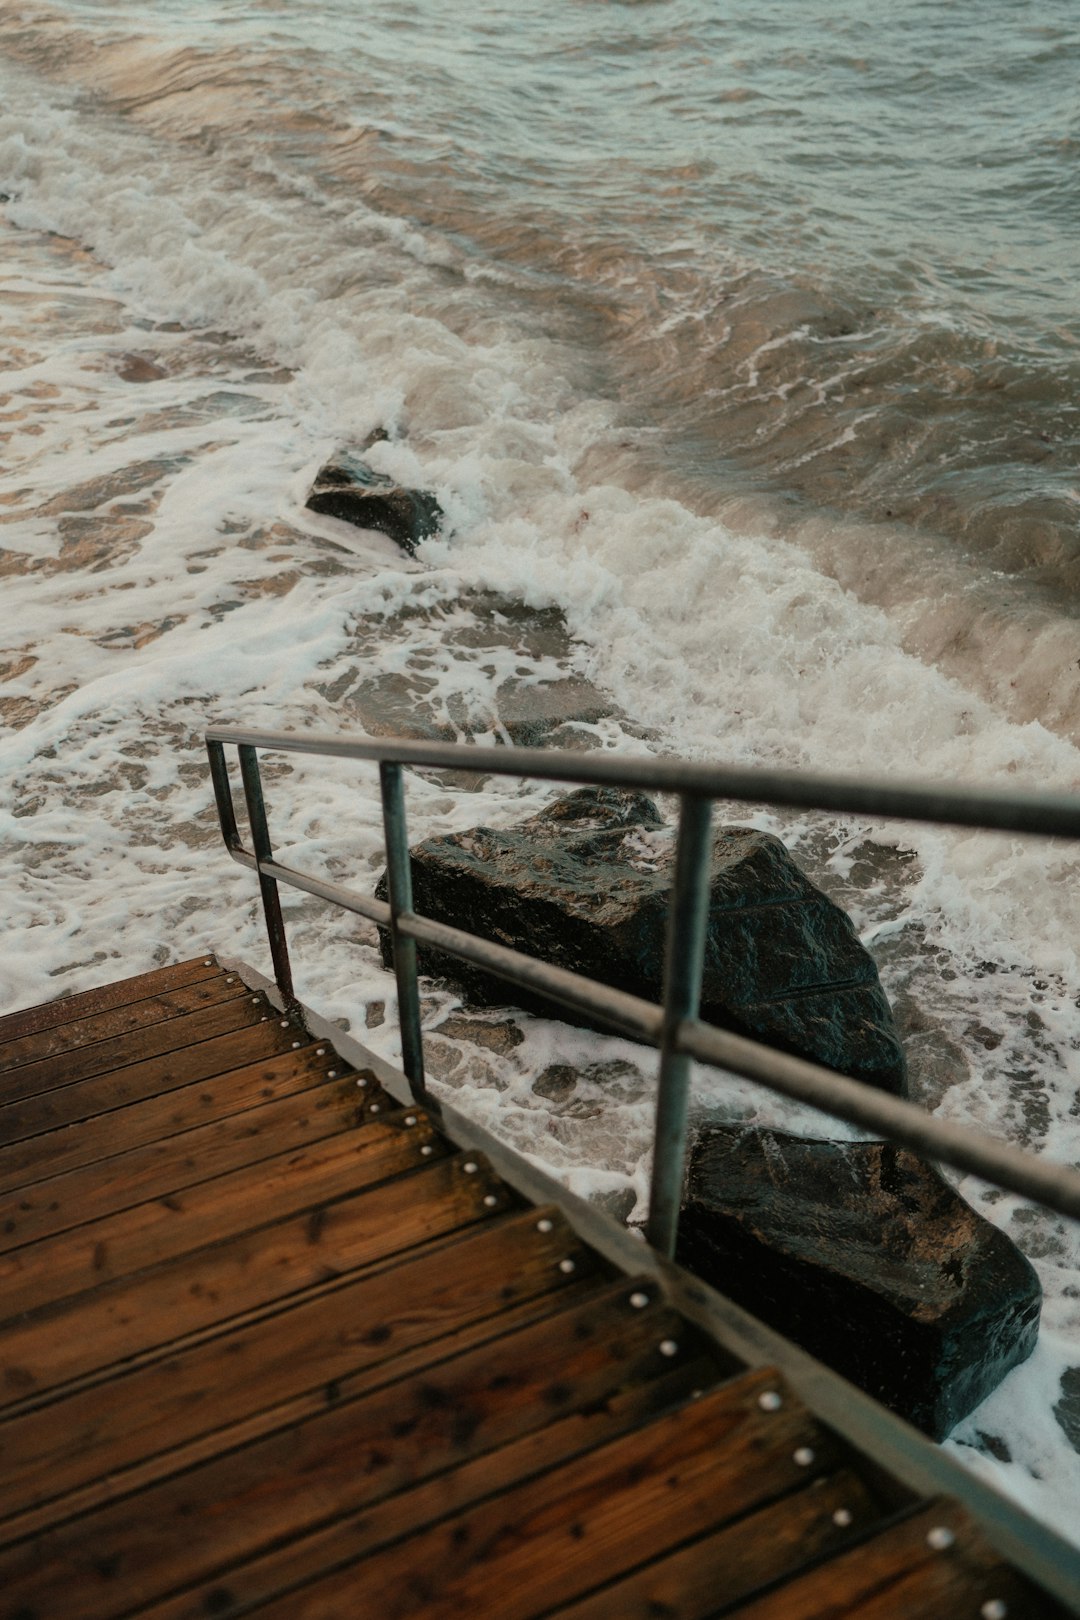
[{"x": 271, "y": 1345}]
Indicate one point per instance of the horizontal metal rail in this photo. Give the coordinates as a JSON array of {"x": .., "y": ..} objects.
[
  {"x": 1051, "y": 815},
  {"x": 674, "y": 1028}
]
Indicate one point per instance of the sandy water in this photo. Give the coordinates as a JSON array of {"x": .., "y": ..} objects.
[{"x": 205, "y": 289}]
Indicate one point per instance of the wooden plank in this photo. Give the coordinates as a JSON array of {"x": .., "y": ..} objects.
[
  {"x": 82, "y": 1196},
  {"x": 161, "y": 1229},
  {"x": 725, "y": 1568},
  {"x": 99, "y": 1093},
  {"x": 259, "y": 1310},
  {"x": 309, "y": 1356},
  {"x": 933, "y": 1564},
  {"x": 106, "y": 1041},
  {"x": 118, "y": 1320},
  {"x": 61, "y": 1010},
  {"x": 200, "y": 1101},
  {"x": 562, "y": 1533},
  {"x": 113, "y": 1021},
  {"x": 132, "y": 1552},
  {"x": 133, "y": 1479},
  {"x": 256, "y": 1311},
  {"x": 359, "y": 1446},
  {"x": 235, "y": 1589}
]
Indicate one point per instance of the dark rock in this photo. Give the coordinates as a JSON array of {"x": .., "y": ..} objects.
[
  {"x": 1067, "y": 1410},
  {"x": 349, "y": 489},
  {"x": 582, "y": 885},
  {"x": 529, "y": 711},
  {"x": 139, "y": 368},
  {"x": 866, "y": 1257}
]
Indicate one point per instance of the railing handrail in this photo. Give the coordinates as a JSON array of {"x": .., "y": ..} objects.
[
  {"x": 674, "y": 1027},
  {"x": 1052, "y": 815}
]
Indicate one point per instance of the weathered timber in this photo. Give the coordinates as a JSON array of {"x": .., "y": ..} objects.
[
  {"x": 720, "y": 1569},
  {"x": 61, "y": 1563},
  {"x": 221, "y": 1039},
  {"x": 163, "y": 1228},
  {"x": 91, "y": 1331},
  {"x": 66, "y": 1069},
  {"x": 308, "y": 1358},
  {"x": 366, "y": 1449},
  {"x": 172, "y": 1114},
  {"x": 559, "y": 1534},
  {"x": 31, "y": 1520},
  {"x": 33, "y": 1050},
  {"x": 908, "y": 1572},
  {"x": 363, "y": 1535},
  {"x": 262, "y": 1309},
  {"x": 32, "y": 1020},
  {"x": 309, "y": 1370},
  {"x": 84, "y": 1196}
]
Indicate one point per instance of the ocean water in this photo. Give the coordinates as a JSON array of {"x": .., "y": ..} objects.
[{"x": 742, "y": 354}]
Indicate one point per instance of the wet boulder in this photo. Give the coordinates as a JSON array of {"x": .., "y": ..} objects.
[
  {"x": 585, "y": 885},
  {"x": 865, "y": 1256},
  {"x": 347, "y": 488}
]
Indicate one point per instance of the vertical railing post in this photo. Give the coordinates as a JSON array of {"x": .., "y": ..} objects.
[
  {"x": 399, "y": 881},
  {"x": 687, "y": 921},
  {"x": 219, "y": 776},
  {"x": 260, "y": 840}
]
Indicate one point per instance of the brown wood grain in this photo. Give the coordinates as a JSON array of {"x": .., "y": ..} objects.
[
  {"x": 238, "y": 1589},
  {"x": 171, "y": 1113},
  {"x": 32, "y": 1520},
  {"x": 104, "y": 1057},
  {"x": 63, "y": 1009},
  {"x": 37, "y": 1062},
  {"x": 161, "y": 1228},
  {"x": 185, "y": 1295},
  {"x": 298, "y": 1480},
  {"x": 260, "y": 1309},
  {"x": 728, "y": 1566},
  {"x": 82, "y": 1196},
  {"x": 306, "y": 1358},
  {"x": 263, "y": 1356},
  {"x": 222, "y": 1038},
  {"x": 558, "y": 1535},
  {"x": 899, "y": 1575}
]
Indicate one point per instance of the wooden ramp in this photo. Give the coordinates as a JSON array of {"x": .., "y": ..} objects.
[{"x": 272, "y": 1345}]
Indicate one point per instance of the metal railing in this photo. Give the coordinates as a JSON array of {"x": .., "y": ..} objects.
[{"x": 673, "y": 1027}]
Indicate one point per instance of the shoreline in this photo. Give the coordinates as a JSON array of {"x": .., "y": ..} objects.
[{"x": 200, "y": 594}]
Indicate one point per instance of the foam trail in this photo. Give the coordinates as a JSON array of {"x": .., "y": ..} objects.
[{"x": 169, "y": 399}]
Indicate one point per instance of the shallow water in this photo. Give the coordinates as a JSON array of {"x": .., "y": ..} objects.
[{"x": 749, "y": 397}]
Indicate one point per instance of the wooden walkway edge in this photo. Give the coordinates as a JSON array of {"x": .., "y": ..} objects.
[{"x": 271, "y": 1344}]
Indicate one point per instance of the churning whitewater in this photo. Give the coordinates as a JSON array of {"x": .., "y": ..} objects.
[{"x": 741, "y": 356}]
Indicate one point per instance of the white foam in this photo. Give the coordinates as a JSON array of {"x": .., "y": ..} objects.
[
  {"x": 1031, "y": 1464},
  {"x": 730, "y": 645}
]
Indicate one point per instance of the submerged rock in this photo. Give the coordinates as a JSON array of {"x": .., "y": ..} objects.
[
  {"x": 347, "y": 488},
  {"x": 866, "y": 1257},
  {"x": 481, "y": 664},
  {"x": 585, "y": 884}
]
